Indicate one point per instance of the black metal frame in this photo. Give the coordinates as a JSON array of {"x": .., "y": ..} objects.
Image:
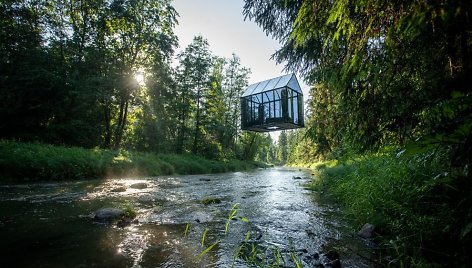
[{"x": 275, "y": 109}]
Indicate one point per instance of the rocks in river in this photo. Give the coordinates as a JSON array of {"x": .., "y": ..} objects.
[
  {"x": 107, "y": 215},
  {"x": 114, "y": 215},
  {"x": 211, "y": 200},
  {"x": 367, "y": 231},
  {"x": 302, "y": 251},
  {"x": 333, "y": 259},
  {"x": 330, "y": 258},
  {"x": 204, "y": 179},
  {"x": 119, "y": 189},
  {"x": 122, "y": 188},
  {"x": 332, "y": 255},
  {"x": 314, "y": 260},
  {"x": 297, "y": 178},
  {"x": 139, "y": 185},
  {"x": 334, "y": 264}
]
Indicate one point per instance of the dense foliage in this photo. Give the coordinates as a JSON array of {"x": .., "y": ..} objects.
[
  {"x": 386, "y": 74},
  {"x": 419, "y": 208},
  {"x": 383, "y": 72},
  {"x": 100, "y": 73}
]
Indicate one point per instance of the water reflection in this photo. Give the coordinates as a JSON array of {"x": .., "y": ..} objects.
[
  {"x": 120, "y": 188},
  {"x": 134, "y": 244},
  {"x": 280, "y": 215}
]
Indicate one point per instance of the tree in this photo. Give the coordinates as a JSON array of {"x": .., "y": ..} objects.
[
  {"x": 69, "y": 66},
  {"x": 137, "y": 29},
  {"x": 325, "y": 124},
  {"x": 193, "y": 76},
  {"x": 282, "y": 148},
  {"x": 234, "y": 83},
  {"x": 157, "y": 132},
  {"x": 249, "y": 145},
  {"x": 29, "y": 89},
  {"x": 213, "y": 109},
  {"x": 267, "y": 150}
]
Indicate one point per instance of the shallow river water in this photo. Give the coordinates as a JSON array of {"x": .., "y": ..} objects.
[{"x": 276, "y": 221}]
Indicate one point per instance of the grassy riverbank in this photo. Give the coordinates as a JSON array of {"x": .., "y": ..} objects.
[
  {"x": 419, "y": 203},
  {"x": 36, "y": 161}
]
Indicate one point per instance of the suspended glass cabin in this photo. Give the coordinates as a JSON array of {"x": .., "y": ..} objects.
[{"x": 274, "y": 104}]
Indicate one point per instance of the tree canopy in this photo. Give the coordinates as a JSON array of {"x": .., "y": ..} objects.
[{"x": 384, "y": 72}]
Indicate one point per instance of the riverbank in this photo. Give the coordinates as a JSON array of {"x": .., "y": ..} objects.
[
  {"x": 38, "y": 162},
  {"x": 419, "y": 204}
]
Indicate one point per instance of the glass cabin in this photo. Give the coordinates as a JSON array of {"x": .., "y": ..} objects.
[{"x": 274, "y": 104}]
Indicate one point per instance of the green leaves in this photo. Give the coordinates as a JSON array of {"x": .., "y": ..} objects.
[
  {"x": 68, "y": 78},
  {"x": 81, "y": 66},
  {"x": 385, "y": 73}
]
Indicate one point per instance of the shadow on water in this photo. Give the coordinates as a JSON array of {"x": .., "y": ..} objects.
[{"x": 276, "y": 220}]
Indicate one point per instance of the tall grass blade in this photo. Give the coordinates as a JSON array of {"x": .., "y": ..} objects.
[
  {"x": 208, "y": 249},
  {"x": 203, "y": 236},
  {"x": 232, "y": 215},
  {"x": 187, "y": 228}
]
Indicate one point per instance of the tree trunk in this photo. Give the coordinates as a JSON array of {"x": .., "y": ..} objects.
[
  {"x": 121, "y": 122},
  {"x": 107, "y": 117},
  {"x": 197, "y": 123}
]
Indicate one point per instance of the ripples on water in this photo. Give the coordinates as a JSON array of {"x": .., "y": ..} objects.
[{"x": 51, "y": 224}]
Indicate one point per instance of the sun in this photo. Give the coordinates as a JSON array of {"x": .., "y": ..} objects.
[{"x": 140, "y": 78}]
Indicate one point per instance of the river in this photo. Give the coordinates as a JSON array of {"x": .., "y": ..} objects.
[{"x": 276, "y": 221}]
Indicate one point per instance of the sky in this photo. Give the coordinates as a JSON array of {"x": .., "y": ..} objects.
[{"x": 222, "y": 23}]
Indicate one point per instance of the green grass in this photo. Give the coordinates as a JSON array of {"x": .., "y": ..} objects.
[
  {"x": 38, "y": 162},
  {"x": 420, "y": 204}
]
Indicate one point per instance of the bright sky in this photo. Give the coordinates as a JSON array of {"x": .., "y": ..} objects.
[{"x": 222, "y": 23}]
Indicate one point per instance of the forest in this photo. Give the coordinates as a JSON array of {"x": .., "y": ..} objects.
[
  {"x": 101, "y": 74},
  {"x": 388, "y": 117}
]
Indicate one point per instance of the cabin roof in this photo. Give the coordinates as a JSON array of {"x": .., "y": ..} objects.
[{"x": 288, "y": 80}]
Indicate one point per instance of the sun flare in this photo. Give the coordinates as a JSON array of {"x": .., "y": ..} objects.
[{"x": 139, "y": 76}]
